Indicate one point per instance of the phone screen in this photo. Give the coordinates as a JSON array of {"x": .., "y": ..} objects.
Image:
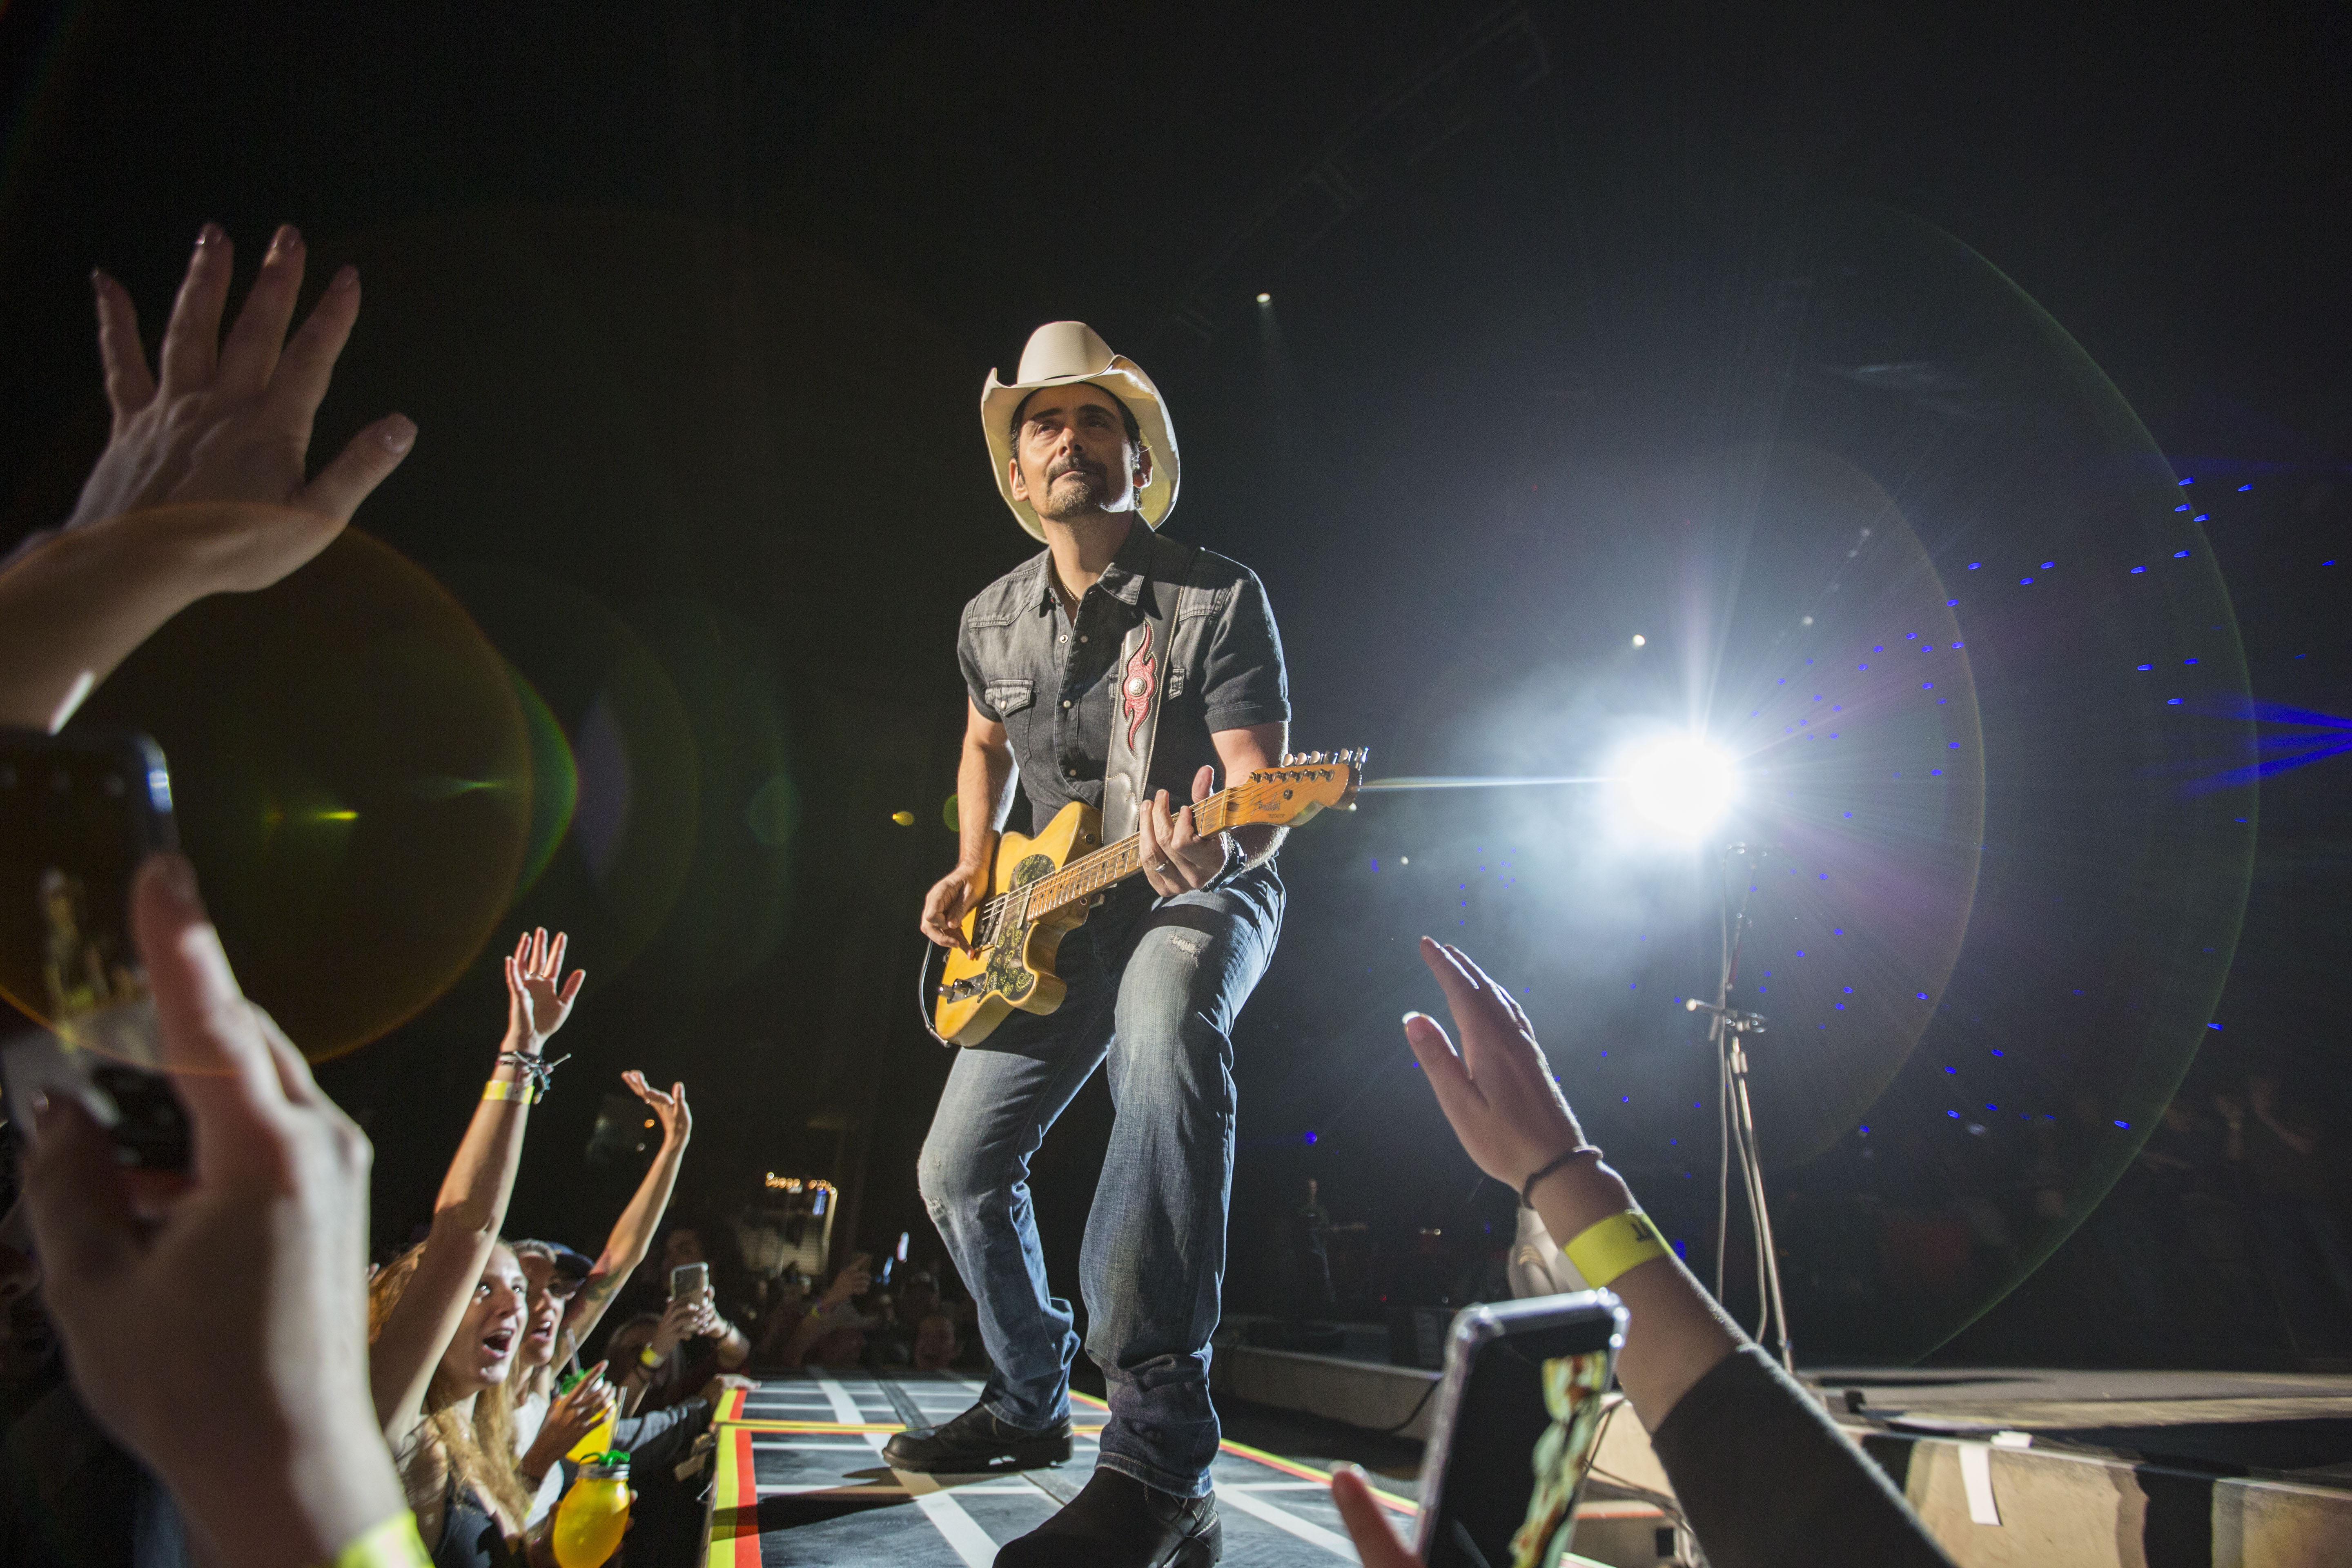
[
  {"x": 1520, "y": 1442},
  {"x": 76, "y": 819},
  {"x": 78, "y": 816}
]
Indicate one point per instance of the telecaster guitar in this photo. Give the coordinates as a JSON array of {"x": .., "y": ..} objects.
[{"x": 1041, "y": 887}]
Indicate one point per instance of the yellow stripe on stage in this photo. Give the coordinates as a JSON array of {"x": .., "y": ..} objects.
[
  {"x": 734, "y": 1538},
  {"x": 1271, "y": 1461}
]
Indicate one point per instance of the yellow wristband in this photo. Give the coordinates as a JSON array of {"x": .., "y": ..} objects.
[
  {"x": 1602, "y": 1252},
  {"x": 518, "y": 1090},
  {"x": 394, "y": 1543}
]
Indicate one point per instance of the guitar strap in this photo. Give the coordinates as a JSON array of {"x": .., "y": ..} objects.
[{"x": 1135, "y": 715}]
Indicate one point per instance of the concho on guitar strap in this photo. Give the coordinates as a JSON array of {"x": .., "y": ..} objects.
[{"x": 1135, "y": 715}]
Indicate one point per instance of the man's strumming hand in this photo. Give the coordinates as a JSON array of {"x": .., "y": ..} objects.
[{"x": 951, "y": 899}]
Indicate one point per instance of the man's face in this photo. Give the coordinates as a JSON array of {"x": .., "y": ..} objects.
[
  {"x": 543, "y": 1311},
  {"x": 1071, "y": 456}
]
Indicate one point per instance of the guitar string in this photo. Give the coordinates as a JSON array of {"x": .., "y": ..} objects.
[{"x": 1072, "y": 881}]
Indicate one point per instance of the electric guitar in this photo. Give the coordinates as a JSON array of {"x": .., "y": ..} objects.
[{"x": 1041, "y": 887}]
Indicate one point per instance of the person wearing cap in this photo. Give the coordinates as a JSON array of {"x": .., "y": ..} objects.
[
  {"x": 568, "y": 1293},
  {"x": 1060, "y": 659}
]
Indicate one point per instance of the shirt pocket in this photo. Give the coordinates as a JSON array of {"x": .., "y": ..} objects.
[{"x": 1009, "y": 696}]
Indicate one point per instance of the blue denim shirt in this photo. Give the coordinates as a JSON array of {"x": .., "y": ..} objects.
[{"x": 1052, "y": 684}]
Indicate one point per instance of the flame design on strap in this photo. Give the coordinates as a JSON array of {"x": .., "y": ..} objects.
[{"x": 1137, "y": 703}]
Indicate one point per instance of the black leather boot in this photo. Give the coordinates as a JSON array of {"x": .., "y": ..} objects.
[
  {"x": 1118, "y": 1523},
  {"x": 975, "y": 1444}
]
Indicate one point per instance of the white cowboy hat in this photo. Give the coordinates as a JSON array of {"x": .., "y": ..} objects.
[{"x": 1059, "y": 353}]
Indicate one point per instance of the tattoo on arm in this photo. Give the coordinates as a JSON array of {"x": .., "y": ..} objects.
[{"x": 587, "y": 1307}]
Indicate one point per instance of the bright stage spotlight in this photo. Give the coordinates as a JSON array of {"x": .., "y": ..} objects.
[{"x": 1681, "y": 786}]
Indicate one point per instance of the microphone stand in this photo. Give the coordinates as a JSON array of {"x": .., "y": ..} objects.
[{"x": 1728, "y": 1030}]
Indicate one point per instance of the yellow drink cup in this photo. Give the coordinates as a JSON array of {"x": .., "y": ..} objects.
[{"x": 594, "y": 1514}]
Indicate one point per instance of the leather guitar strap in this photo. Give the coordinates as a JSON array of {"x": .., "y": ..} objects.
[{"x": 1135, "y": 712}]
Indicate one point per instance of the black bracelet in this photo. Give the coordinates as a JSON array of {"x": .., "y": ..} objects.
[{"x": 1527, "y": 1188}]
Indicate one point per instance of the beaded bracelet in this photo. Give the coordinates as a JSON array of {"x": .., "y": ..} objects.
[{"x": 541, "y": 1072}]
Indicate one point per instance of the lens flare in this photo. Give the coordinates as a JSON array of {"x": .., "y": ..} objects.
[{"x": 1681, "y": 786}]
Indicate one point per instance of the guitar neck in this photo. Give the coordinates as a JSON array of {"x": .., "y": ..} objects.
[{"x": 1090, "y": 874}]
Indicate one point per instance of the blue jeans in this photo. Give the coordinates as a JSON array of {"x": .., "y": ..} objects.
[{"x": 1153, "y": 990}]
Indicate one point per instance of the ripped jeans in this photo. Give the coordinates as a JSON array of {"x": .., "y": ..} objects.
[{"x": 1153, "y": 991}]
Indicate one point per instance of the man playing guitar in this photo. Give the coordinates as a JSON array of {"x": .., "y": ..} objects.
[{"x": 1059, "y": 662}]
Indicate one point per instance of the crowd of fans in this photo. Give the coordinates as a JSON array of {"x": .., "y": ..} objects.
[{"x": 238, "y": 1385}]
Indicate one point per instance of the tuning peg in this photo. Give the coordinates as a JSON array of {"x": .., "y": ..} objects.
[{"x": 1286, "y": 759}]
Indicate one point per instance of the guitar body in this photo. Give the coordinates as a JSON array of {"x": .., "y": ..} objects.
[
  {"x": 979, "y": 990},
  {"x": 1039, "y": 889}
]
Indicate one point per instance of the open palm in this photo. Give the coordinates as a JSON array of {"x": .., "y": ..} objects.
[
  {"x": 676, "y": 1121},
  {"x": 538, "y": 997}
]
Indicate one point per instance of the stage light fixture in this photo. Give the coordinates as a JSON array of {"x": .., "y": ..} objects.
[
  {"x": 1266, "y": 299},
  {"x": 1681, "y": 785}
]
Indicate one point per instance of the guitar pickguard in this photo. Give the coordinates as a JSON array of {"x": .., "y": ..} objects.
[{"x": 1006, "y": 973}]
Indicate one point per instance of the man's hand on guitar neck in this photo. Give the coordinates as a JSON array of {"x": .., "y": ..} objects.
[{"x": 1174, "y": 856}]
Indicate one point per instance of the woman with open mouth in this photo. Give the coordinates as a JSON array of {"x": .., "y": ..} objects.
[{"x": 445, "y": 1319}]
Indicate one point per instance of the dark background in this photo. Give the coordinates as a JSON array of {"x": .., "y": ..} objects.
[{"x": 691, "y": 302}]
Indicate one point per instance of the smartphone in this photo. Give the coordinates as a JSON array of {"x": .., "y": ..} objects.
[
  {"x": 1519, "y": 1414},
  {"x": 688, "y": 1277},
  {"x": 78, "y": 813}
]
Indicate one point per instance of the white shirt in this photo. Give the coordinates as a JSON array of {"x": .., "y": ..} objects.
[{"x": 530, "y": 1415}]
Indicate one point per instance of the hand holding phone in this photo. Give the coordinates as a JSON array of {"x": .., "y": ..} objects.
[
  {"x": 232, "y": 1304},
  {"x": 78, "y": 813}
]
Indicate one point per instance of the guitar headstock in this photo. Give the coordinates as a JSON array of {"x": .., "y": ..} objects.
[{"x": 1305, "y": 783}]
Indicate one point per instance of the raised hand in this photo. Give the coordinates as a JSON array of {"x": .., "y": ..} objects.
[
  {"x": 537, "y": 998},
  {"x": 1499, "y": 1090},
  {"x": 572, "y": 1417},
  {"x": 229, "y": 420},
  {"x": 678, "y": 1323},
  {"x": 850, "y": 1283},
  {"x": 669, "y": 1109}
]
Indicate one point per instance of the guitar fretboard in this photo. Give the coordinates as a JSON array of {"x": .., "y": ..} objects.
[{"x": 1090, "y": 874}]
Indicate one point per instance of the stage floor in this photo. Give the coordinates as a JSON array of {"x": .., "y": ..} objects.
[{"x": 799, "y": 1480}]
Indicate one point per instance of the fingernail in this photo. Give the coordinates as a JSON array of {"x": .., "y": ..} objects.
[
  {"x": 286, "y": 241},
  {"x": 399, "y": 433},
  {"x": 346, "y": 276},
  {"x": 99, "y": 280},
  {"x": 211, "y": 234}
]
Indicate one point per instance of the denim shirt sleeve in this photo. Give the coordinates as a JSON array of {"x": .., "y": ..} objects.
[{"x": 1244, "y": 681}]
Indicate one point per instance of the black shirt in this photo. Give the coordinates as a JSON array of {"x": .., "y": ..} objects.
[{"x": 1053, "y": 687}]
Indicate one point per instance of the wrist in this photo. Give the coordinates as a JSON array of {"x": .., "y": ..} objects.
[
  {"x": 1578, "y": 1196},
  {"x": 325, "y": 1496}
]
